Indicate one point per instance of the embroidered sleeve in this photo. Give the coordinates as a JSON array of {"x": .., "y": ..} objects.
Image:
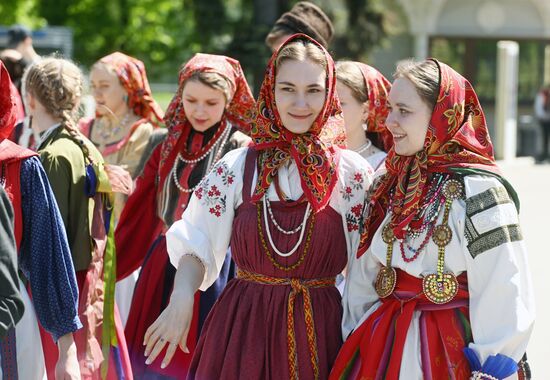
[
  {"x": 491, "y": 220},
  {"x": 502, "y": 307},
  {"x": 210, "y": 194},
  {"x": 355, "y": 179},
  {"x": 205, "y": 228}
]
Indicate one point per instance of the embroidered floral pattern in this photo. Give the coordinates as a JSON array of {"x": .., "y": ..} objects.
[
  {"x": 353, "y": 218},
  {"x": 210, "y": 195},
  {"x": 353, "y": 192},
  {"x": 355, "y": 183}
]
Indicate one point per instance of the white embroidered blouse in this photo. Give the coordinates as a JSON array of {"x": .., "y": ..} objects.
[
  {"x": 488, "y": 245},
  {"x": 205, "y": 228}
]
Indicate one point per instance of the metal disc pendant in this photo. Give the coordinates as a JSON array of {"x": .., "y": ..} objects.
[
  {"x": 387, "y": 234},
  {"x": 453, "y": 189},
  {"x": 442, "y": 235},
  {"x": 440, "y": 292},
  {"x": 385, "y": 281}
]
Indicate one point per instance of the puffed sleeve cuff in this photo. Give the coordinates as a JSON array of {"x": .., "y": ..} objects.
[
  {"x": 495, "y": 367},
  {"x": 66, "y": 328},
  {"x": 184, "y": 239}
]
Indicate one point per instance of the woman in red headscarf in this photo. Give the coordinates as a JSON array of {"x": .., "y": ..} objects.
[
  {"x": 289, "y": 207},
  {"x": 440, "y": 287},
  {"x": 212, "y": 104},
  {"x": 126, "y": 114},
  {"x": 363, "y": 93},
  {"x": 44, "y": 260}
]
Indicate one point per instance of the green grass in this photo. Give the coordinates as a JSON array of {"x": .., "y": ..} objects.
[{"x": 163, "y": 99}]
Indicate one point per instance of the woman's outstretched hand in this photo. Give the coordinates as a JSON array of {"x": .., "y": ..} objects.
[{"x": 171, "y": 328}]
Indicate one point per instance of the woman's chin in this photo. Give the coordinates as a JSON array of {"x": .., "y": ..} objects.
[
  {"x": 199, "y": 127},
  {"x": 298, "y": 129}
]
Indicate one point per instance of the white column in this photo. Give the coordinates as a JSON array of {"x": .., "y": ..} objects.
[
  {"x": 421, "y": 44},
  {"x": 546, "y": 64},
  {"x": 506, "y": 100}
]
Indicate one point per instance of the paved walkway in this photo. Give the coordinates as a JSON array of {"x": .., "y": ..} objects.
[{"x": 532, "y": 182}]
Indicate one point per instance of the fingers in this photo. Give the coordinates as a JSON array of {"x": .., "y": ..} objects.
[
  {"x": 150, "y": 332},
  {"x": 183, "y": 341},
  {"x": 156, "y": 351},
  {"x": 151, "y": 337},
  {"x": 170, "y": 351}
]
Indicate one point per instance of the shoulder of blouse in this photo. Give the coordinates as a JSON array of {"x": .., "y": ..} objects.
[
  {"x": 142, "y": 132},
  {"x": 353, "y": 161},
  {"x": 478, "y": 184},
  {"x": 239, "y": 139},
  {"x": 234, "y": 158}
]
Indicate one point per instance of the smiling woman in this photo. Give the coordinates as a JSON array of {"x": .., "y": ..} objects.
[
  {"x": 275, "y": 202},
  {"x": 408, "y": 118},
  {"x": 440, "y": 287},
  {"x": 300, "y": 86},
  {"x": 212, "y": 104},
  {"x": 204, "y": 98},
  {"x": 126, "y": 114},
  {"x": 411, "y": 104}
]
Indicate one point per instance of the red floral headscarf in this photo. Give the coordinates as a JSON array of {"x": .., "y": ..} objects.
[
  {"x": 378, "y": 88},
  {"x": 457, "y": 138},
  {"x": 131, "y": 73},
  {"x": 239, "y": 111},
  {"x": 8, "y": 114},
  {"x": 314, "y": 151}
]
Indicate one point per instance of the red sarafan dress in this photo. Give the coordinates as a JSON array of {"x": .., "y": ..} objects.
[
  {"x": 268, "y": 306},
  {"x": 289, "y": 206},
  {"x": 247, "y": 333},
  {"x": 162, "y": 193}
]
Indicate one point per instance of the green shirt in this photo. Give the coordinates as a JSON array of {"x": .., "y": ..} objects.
[{"x": 65, "y": 165}]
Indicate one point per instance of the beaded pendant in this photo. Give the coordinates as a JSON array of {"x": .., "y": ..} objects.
[
  {"x": 387, "y": 277},
  {"x": 442, "y": 287}
]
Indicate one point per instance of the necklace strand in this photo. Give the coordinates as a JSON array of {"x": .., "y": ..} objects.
[
  {"x": 224, "y": 138},
  {"x": 274, "y": 221},
  {"x": 364, "y": 147},
  {"x": 268, "y": 252},
  {"x": 300, "y": 239},
  {"x": 115, "y": 130}
]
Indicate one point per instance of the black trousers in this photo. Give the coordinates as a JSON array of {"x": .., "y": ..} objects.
[{"x": 545, "y": 126}]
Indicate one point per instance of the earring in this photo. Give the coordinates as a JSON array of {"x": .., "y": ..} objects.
[{"x": 125, "y": 99}]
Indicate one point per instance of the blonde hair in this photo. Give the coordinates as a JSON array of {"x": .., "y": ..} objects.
[
  {"x": 301, "y": 50},
  {"x": 58, "y": 85},
  {"x": 350, "y": 75},
  {"x": 215, "y": 81},
  {"x": 424, "y": 76},
  {"x": 105, "y": 65}
]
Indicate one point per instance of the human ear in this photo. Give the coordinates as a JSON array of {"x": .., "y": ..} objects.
[
  {"x": 30, "y": 101},
  {"x": 365, "y": 112}
]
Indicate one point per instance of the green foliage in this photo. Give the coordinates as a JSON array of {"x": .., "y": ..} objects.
[
  {"x": 366, "y": 28},
  {"x": 166, "y": 33},
  {"x": 20, "y": 12}
]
